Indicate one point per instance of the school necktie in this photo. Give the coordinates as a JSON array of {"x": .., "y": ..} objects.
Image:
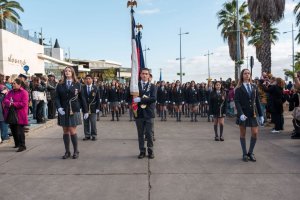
[
  {"x": 68, "y": 84},
  {"x": 88, "y": 90},
  {"x": 249, "y": 90},
  {"x": 144, "y": 84}
]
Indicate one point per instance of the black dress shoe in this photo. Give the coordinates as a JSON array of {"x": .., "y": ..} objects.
[
  {"x": 251, "y": 157},
  {"x": 16, "y": 146},
  {"x": 67, "y": 155},
  {"x": 75, "y": 155},
  {"x": 151, "y": 156},
  {"x": 295, "y": 136},
  {"x": 221, "y": 139},
  {"x": 142, "y": 155},
  {"x": 86, "y": 138},
  {"x": 217, "y": 139},
  {"x": 21, "y": 149},
  {"x": 245, "y": 158},
  {"x": 94, "y": 138}
]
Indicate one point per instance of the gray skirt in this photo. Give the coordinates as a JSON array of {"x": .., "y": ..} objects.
[
  {"x": 249, "y": 122},
  {"x": 69, "y": 121}
]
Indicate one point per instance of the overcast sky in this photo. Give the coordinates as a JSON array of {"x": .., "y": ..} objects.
[{"x": 97, "y": 30}]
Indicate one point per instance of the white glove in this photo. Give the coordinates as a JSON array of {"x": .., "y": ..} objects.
[
  {"x": 100, "y": 100},
  {"x": 261, "y": 120},
  {"x": 86, "y": 115},
  {"x": 137, "y": 99},
  {"x": 243, "y": 118},
  {"x": 167, "y": 102},
  {"x": 211, "y": 116},
  {"x": 173, "y": 103},
  {"x": 97, "y": 110},
  {"x": 205, "y": 102},
  {"x": 61, "y": 111},
  {"x": 122, "y": 101},
  {"x": 182, "y": 102},
  {"x": 105, "y": 100}
]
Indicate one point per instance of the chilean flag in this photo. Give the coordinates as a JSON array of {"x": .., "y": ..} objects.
[
  {"x": 140, "y": 51},
  {"x": 134, "y": 83}
]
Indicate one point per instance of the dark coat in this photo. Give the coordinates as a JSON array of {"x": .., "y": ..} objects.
[
  {"x": 276, "y": 99},
  {"x": 193, "y": 96},
  {"x": 217, "y": 104},
  {"x": 249, "y": 106},
  {"x": 147, "y": 112},
  {"x": 65, "y": 94},
  {"x": 113, "y": 95},
  {"x": 93, "y": 99},
  {"x": 163, "y": 95},
  {"x": 178, "y": 95}
]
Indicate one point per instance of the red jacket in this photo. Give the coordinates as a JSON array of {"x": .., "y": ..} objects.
[{"x": 20, "y": 101}]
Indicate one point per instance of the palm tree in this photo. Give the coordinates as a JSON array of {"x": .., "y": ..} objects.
[
  {"x": 266, "y": 12},
  {"x": 256, "y": 39},
  {"x": 8, "y": 11},
  {"x": 228, "y": 21},
  {"x": 297, "y": 13},
  {"x": 290, "y": 73}
]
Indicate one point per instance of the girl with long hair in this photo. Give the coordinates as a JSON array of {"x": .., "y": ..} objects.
[
  {"x": 217, "y": 108},
  {"x": 248, "y": 107},
  {"x": 69, "y": 100}
]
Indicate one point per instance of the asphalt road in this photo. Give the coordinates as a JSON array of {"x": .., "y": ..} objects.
[{"x": 188, "y": 165}]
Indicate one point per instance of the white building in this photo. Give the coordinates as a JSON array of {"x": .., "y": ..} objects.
[{"x": 16, "y": 52}]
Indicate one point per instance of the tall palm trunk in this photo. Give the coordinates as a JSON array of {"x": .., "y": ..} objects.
[{"x": 266, "y": 47}]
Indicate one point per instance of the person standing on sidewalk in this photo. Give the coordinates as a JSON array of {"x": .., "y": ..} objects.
[
  {"x": 248, "y": 107},
  {"x": 17, "y": 97},
  {"x": 69, "y": 100},
  {"x": 91, "y": 95},
  {"x": 145, "y": 113},
  {"x": 217, "y": 108},
  {"x": 178, "y": 100}
]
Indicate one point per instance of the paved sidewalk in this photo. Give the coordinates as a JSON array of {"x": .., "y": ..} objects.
[{"x": 189, "y": 165}]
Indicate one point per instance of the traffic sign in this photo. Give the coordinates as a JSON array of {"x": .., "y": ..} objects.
[
  {"x": 26, "y": 68},
  {"x": 178, "y": 74}
]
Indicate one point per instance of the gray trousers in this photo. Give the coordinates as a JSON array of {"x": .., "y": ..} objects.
[
  {"x": 144, "y": 127},
  {"x": 90, "y": 128}
]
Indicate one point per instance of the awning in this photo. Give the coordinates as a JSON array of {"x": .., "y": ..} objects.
[{"x": 54, "y": 60}]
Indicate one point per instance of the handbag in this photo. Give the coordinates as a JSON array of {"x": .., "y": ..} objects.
[
  {"x": 296, "y": 111},
  {"x": 12, "y": 116},
  {"x": 37, "y": 95}
]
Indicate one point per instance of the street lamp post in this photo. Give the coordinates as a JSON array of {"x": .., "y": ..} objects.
[
  {"x": 238, "y": 37},
  {"x": 145, "y": 50},
  {"x": 180, "y": 57},
  {"x": 293, "y": 47},
  {"x": 208, "y": 54}
]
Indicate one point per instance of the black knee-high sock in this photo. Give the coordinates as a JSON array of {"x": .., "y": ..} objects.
[
  {"x": 216, "y": 130},
  {"x": 252, "y": 145},
  {"x": 130, "y": 114},
  {"x": 74, "y": 140},
  {"x": 221, "y": 130},
  {"x": 195, "y": 114},
  {"x": 112, "y": 115},
  {"x": 66, "y": 138},
  {"x": 243, "y": 145},
  {"x": 179, "y": 117},
  {"x": 165, "y": 114},
  {"x": 192, "y": 116},
  {"x": 161, "y": 114}
]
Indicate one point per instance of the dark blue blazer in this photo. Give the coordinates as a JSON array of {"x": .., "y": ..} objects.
[
  {"x": 245, "y": 104},
  {"x": 64, "y": 95},
  {"x": 93, "y": 99},
  {"x": 149, "y": 101}
]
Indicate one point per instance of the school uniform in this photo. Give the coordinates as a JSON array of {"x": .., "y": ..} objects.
[
  {"x": 92, "y": 98},
  {"x": 70, "y": 98},
  {"x": 145, "y": 117}
]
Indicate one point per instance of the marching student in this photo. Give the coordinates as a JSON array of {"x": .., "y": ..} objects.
[
  {"x": 145, "y": 113},
  {"x": 69, "y": 100},
  {"x": 217, "y": 108},
  {"x": 114, "y": 99},
  {"x": 163, "y": 99},
  {"x": 248, "y": 107},
  {"x": 193, "y": 100},
  {"x": 178, "y": 98},
  {"x": 91, "y": 95}
]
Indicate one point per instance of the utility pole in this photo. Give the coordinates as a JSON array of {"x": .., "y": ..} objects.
[{"x": 208, "y": 67}]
